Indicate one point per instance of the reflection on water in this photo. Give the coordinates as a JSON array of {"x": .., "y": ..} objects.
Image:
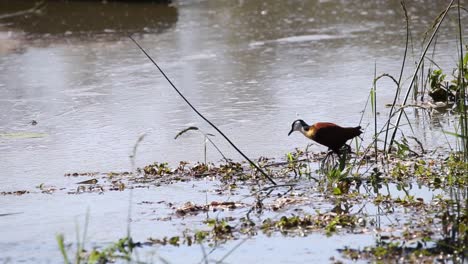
[
  {"x": 83, "y": 17},
  {"x": 250, "y": 66}
]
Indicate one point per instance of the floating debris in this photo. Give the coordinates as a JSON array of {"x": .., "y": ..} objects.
[
  {"x": 92, "y": 181},
  {"x": 190, "y": 208},
  {"x": 21, "y": 192}
]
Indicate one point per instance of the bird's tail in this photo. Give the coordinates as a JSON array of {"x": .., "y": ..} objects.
[
  {"x": 353, "y": 132},
  {"x": 358, "y": 130}
]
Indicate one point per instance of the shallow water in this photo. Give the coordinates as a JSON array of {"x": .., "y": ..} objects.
[{"x": 251, "y": 67}]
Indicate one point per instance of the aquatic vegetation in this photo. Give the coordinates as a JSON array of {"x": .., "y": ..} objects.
[
  {"x": 296, "y": 164},
  {"x": 157, "y": 169},
  {"x": 441, "y": 89},
  {"x": 301, "y": 225},
  {"x": 367, "y": 196},
  {"x": 190, "y": 208},
  {"x": 120, "y": 250},
  {"x": 357, "y": 201}
]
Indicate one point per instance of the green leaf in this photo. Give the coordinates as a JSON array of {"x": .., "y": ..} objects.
[
  {"x": 94, "y": 257},
  {"x": 174, "y": 240},
  {"x": 372, "y": 98},
  {"x": 61, "y": 242},
  {"x": 336, "y": 191},
  {"x": 465, "y": 60},
  {"x": 454, "y": 134}
]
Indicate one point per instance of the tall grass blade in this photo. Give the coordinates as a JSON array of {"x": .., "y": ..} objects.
[
  {"x": 129, "y": 214},
  {"x": 61, "y": 244},
  {"x": 85, "y": 231},
  {"x": 78, "y": 245},
  {"x": 456, "y": 135},
  {"x": 134, "y": 151}
]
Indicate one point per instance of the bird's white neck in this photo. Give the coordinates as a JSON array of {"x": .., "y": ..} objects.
[{"x": 303, "y": 131}]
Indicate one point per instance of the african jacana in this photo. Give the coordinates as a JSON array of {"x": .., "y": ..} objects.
[{"x": 328, "y": 134}]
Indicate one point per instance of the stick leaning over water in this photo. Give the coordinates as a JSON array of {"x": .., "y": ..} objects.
[{"x": 199, "y": 114}]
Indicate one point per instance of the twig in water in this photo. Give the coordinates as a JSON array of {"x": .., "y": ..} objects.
[
  {"x": 203, "y": 117},
  {"x": 419, "y": 143}
]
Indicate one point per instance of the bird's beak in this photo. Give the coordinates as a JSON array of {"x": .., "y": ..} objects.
[{"x": 290, "y": 132}]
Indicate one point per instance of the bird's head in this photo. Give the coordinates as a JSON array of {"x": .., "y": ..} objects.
[{"x": 298, "y": 125}]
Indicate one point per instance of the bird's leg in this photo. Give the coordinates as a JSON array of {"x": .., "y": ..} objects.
[
  {"x": 322, "y": 163},
  {"x": 343, "y": 155},
  {"x": 342, "y": 160},
  {"x": 325, "y": 160},
  {"x": 348, "y": 148}
]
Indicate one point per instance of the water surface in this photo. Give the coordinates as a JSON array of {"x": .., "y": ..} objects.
[{"x": 251, "y": 67}]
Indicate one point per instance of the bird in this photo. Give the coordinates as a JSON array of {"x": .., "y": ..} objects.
[{"x": 328, "y": 134}]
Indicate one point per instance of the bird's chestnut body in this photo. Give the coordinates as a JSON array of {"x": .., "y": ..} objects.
[{"x": 328, "y": 134}]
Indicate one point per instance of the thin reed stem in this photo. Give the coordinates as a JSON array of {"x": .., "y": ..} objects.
[
  {"x": 417, "y": 70},
  {"x": 461, "y": 85},
  {"x": 398, "y": 83},
  {"x": 203, "y": 117},
  {"x": 374, "y": 108}
]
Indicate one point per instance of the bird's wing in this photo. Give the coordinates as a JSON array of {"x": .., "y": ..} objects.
[
  {"x": 334, "y": 136},
  {"x": 330, "y": 135}
]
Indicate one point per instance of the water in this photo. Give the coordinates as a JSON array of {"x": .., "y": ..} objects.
[{"x": 251, "y": 67}]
